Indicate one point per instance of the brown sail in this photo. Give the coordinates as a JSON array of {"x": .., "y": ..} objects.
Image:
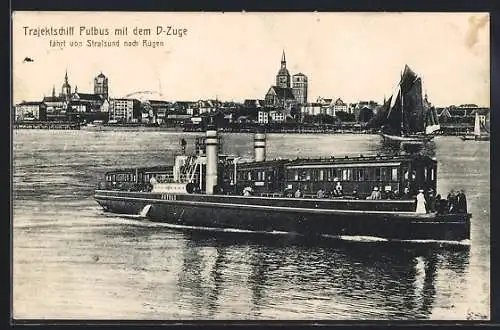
[{"x": 406, "y": 113}]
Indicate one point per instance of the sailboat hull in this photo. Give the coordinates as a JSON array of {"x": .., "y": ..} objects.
[
  {"x": 475, "y": 138},
  {"x": 408, "y": 139}
]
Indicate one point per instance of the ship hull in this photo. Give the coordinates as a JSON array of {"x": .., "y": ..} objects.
[{"x": 391, "y": 220}]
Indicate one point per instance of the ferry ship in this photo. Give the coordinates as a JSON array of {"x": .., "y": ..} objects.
[{"x": 366, "y": 196}]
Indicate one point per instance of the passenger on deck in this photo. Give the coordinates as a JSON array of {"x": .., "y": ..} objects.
[
  {"x": 406, "y": 193},
  {"x": 441, "y": 205},
  {"x": 338, "y": 187},
  {"x": 247, "y": 191},
  {"x": 452, "y": 202},
  {"x": 320, "y": 193},
  {"x": 388, "y": 194},
  {"x": 298, "y": 193},
  {"x": 461, "y": 202},
  {"x": 421, "y": 202},
  {"x": 355, "y": 194},
  {"x": 375, "y": 194},
  {"x": 431, "y": 205}
]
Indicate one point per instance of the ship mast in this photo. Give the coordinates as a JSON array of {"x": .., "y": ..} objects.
[{"x": 402, "y": 106}]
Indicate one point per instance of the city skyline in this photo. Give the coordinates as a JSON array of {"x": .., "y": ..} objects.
[{"x": 354, "y": 56}]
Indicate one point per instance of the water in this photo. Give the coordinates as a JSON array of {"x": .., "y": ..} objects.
[{"x": 70, "y": 260}]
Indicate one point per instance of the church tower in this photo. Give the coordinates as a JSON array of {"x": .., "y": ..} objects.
[
  {"x": 66, "y": 87},
  {"x": 299, "y": 88},
  {"x": 101, "y": 85},
  {"x": 283, "y": 76}
]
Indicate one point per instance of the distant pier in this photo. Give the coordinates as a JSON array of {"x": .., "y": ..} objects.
[{"x": 47, "y": 125}]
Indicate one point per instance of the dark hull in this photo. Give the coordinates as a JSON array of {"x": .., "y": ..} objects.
[{"x": 392, "y": 220}]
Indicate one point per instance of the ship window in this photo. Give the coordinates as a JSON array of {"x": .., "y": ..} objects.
[
  {"x": 425, "y": 173},
  {"x": 394, "y": 174},
  {"x": 321, "y": 176},
  {"x": 308, "y": 175},
  {"x": 249, "y": 176},
  {"x": 432, "y": 174},
  {"x": 296, "y": 175},
  {"x": 113, "y": 177},
  {"x": 358, "y": 174},
  {"x": 377, "y": 174},
  {"x": 384, "y": 174},
  {"x": 346, "y": 174}
]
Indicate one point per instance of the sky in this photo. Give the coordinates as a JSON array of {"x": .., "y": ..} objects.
[{"x": 236, "y": 56}]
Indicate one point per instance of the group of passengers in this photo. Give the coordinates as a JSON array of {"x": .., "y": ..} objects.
[
  {"x": 426, "y": 201},
  {"x": 455, "y": 202}
]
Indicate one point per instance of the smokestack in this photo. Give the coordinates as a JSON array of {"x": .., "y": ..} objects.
[
  {"x": 259, "y": 145},
  {"x": 211, "y": 143}
]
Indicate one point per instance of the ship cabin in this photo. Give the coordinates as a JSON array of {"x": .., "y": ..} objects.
[
  {"x": 266, "y": 178},
  {"x": 136, "y": 179},
  {"x": 356, "y": 176}
]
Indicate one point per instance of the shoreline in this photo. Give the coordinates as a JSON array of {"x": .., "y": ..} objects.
[{"x": 348, "y": 129}]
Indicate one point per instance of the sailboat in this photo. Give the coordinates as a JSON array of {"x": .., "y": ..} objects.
[
  {"x": 406, "y": 116},
  {"x": 481, "y": 132}
]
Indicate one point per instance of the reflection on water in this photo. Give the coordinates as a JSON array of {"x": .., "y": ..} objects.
[
  {"x": 73, "y": 261},
  {"x": 336, "y": 279},
  {"x": 394, "y": 147}
]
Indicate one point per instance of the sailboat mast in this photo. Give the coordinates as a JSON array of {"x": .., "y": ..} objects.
[{"x": 402, "y": 112}]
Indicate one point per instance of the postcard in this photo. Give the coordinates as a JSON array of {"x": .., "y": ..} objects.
[{"x": 242, "y": 166}]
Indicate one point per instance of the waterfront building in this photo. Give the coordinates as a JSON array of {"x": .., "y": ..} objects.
[
  {"x": 312, "y": 109},
  {"x": 355, "y": 110},
  {"x": 30, "y": 110},
  {"x": 101, "y": 86},
  {"x": 464, "y": 113},
  {"x": 184, "y": 107},
  {"x": 208, "y": 106},
  {"x": 277, "y": 116},
  {"x": 364, "y": 114},
  {"x": 340, "y": 105},
  {"x": 263, "y": 117},
  {"x": 252, "y": 103},
  {"x": 55, "y": 106},
  {"x": 299, "y": 87},
  {"x": 330, "y": 107},
  {"x": 125, "y": 110},
  {"x": 91, "y": 102}
]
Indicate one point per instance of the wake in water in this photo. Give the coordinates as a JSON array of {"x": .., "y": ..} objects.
[{"x": 347, "y": 238}]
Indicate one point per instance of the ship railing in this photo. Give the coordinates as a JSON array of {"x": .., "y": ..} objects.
[{"x": 271, "y": 195}]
